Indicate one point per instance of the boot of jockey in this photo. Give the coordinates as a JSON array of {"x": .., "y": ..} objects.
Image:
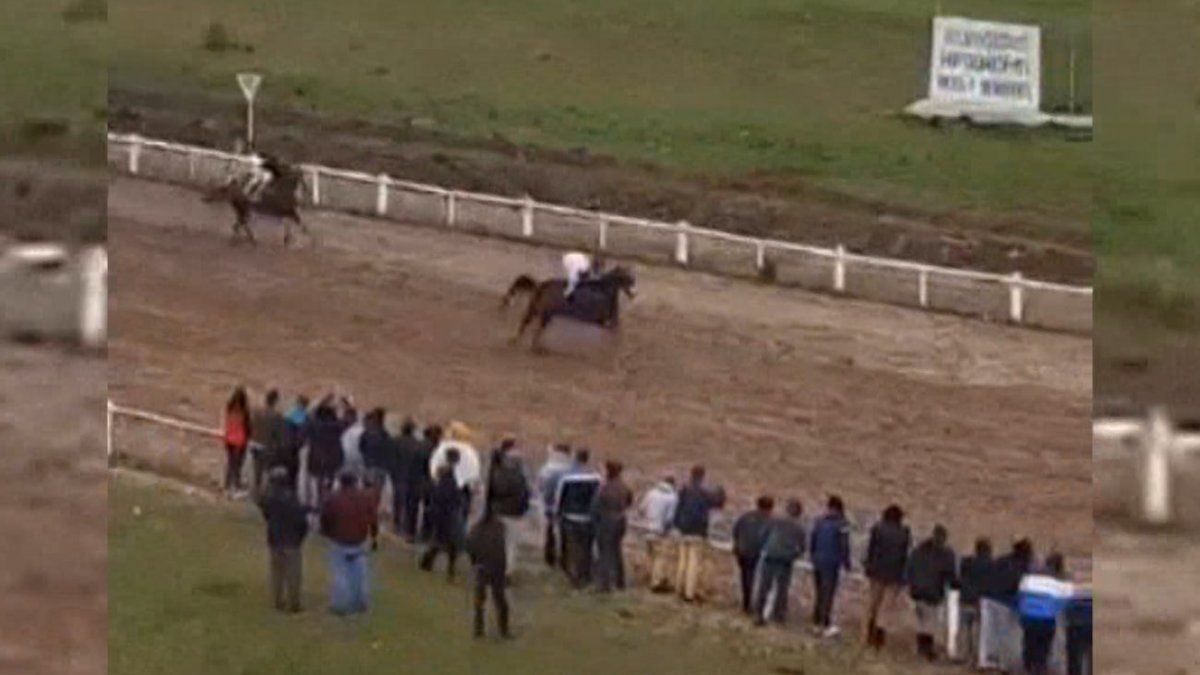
[{"x": 576, "y": 266}]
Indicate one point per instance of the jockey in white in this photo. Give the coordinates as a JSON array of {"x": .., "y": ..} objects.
[
  {"x": 576, "y": 266},
  {"x": 262, "y": 172}
]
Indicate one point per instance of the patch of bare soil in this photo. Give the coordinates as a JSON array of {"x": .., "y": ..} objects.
[{"x": 779, "y": 206}]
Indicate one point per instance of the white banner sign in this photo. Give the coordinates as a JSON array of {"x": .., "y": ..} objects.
[{"x": 985, "y": 64}]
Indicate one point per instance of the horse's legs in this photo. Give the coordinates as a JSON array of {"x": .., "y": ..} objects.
[
  {"x": 537, "y": 334},
  {"x": 525, "y": 321}
]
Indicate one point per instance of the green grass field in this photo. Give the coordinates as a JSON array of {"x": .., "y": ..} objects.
[
  {"x": 187, "y": 594},
  {"x": 711, "y": 87},
  {"x": 53, "y": 72}
]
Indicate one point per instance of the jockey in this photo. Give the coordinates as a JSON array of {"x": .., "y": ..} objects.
[
  {"x": 265, "y": 170},
  {"x": 577, "y": 266}
]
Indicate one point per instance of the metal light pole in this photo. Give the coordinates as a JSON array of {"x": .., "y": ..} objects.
[{"x": 249, "y": 83}]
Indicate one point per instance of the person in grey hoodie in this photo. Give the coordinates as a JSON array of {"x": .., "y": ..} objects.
[
  {"x": 657, "y": 511},
  {"x": 784, "y": 545},
  {"x": 749, "y": 536}
]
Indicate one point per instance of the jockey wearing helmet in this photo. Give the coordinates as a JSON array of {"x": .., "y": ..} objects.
[
  {"x": 266, "y": 168},
  {"x": 577, "y": 267}
]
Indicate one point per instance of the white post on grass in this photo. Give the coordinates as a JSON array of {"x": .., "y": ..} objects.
[
  {"x": 381, "y": 194},
  {"x": 527, "y": 217},
  {"x": 93, "y": 310},
  {"x": 1156, "y": 469},
  {"x": 135, "y": 154},
  {"x": 249, "y": 84},
  {"x": 316, "y": 186},
  {"x": 839, "y": 270},
  {"x": 923, "y": 287},
  {"x": 952, "y": 624},
  {"x": 681, "y": 243},
  {"x": 1016, "y": 298}
]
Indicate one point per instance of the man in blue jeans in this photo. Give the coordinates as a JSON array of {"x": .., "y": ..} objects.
[
  {"x": 830, "y": 548},
  {"x": 348, "y": 519}
]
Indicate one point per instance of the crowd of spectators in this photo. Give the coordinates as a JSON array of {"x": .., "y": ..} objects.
[{"x": 321, "y": 462}]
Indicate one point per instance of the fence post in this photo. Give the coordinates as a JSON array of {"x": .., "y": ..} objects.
[
  {"x": 681, "y": 243},
  {"x": 1156, "y": 469},
  {"x": 923, "y": 287},
  {"x": 527, "y": 217},
  {"x": 191, "y": 166},
  {"x": 603, "y": 243},
  {"x": 93, "y": 309},
  {"x": 451, "y": 208},
  {"x": 381, "y": 195},
  {"x": 760, "y": 255},
  {"x": 109, "y": 428},
  {"x": 952, "y": 624},
  {"x": 316, "y": 186},
  {"x": 1016, "y": 298},
  {"x": 135, "y": 154},
  {"x": 839, "y": 270}
]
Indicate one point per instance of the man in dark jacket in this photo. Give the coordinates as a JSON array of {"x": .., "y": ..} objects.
[
  {"x": 999, "y": 625},
  {"x": 446, "y": 517},
  {"x": 325, "y": 455},
  {"x": 375, "y": 444},
  {"x": 508, "y": 494},
  {"x": 973, "y": 575},
  {"x": 749, "y": 537},
  {"x": 266, "y": 428},
  {"x": 418, "y": 523},
  {"x": 830, "y": 546},
  {"x": 696, "y": 502},
  {"x": 403, "y": 448},
  {"x": 295, "y": 436},
  {"x": 612, "y": 501},
  {"x": 885, "y": 564},
  {"x": 784, "y": 546},
  {"x": 349, "y": 519},
  {"x": 486, "y": 548},
  {"x": 932, "y": 570},
  {"x": 287, "y": 526},
  {"x": 573, "y": 502}
]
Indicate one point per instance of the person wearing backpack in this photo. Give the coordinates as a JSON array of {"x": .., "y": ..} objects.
[{"x": 508, "y": 497}]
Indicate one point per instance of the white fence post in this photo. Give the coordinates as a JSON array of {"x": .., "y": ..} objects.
[
  {"x": 191, "y": 166},
  {"x": 451, "y": 208},
  {"x": 760, "y": 255},
  {"x": 1016, "y": 298},
  {"x": 1156, "y": 469},
  {"x": 681, "y": 243},
  {"x": 839, "y": 270},
  {"x": 381, "y": 195},
  {"x": 527, "y": 217},
  {"x": 952, "y": 624},
  {"x": 603, "y": 243},
  {"x": 135, "y": 154},
  {"x": 316, "y": 186},
  {"x": 109, "y": 427},
  {"x": 923, "y": 287},
  {"x": 93, "y": 310}
]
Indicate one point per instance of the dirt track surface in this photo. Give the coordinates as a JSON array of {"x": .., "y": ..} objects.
[
  {"x": 778, "y": 206},
  {"x": 982, "y": 427},
  {"x": 53, "y": 505}
]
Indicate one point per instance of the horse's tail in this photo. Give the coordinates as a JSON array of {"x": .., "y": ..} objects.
[{"x": 522, "y": 284}]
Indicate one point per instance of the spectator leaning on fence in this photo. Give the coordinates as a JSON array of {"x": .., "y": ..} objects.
[
  {"x": 830, "y": 547},
  {"x": 657, "y": 511},
  {"x": 237, "y": 438},
  {"x": 932, "y": 570},
  {"x": 287, "y": 526},
  {"x": 266, "y": 435},
  {"x": 1042, "y": 597},
  {"x": 612, "y": 502},
  {"x": 557, "y": 463},
  {"x": 749, "y": 536},
  {"x": 973, "y": 575},
  {"x": 349, "y": 520},
  {"x": 885, "y": 566},
  {"x": 696, "y": 503},
  {"x": 784, "y": 546}
]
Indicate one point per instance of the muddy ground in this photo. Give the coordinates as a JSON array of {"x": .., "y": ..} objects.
[
  {"x": 784, "y": 207},
  {"x": 982, "y": 427}
]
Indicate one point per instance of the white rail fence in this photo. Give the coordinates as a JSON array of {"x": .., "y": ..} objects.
[
  {"x": 49, "y": 292},
  {"x": 951, "y": 621},
  {"x": 1147, "y": 469},
  {"x": 1006, "y": 298}
]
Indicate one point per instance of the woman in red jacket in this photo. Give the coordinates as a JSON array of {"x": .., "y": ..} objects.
[{"x": 237, "y": 437}]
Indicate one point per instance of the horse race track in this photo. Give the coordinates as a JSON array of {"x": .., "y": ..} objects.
[{"x": 982, "y": 427}]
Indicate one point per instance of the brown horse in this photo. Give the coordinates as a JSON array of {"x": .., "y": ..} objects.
[
  {"x": 595, "y": 301},
  {"x": 280, "y": 198}
]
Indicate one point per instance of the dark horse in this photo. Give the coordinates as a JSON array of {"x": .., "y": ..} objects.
[
  {"x": 280, "y": 198},
  {"x": 595, "y": 301}
]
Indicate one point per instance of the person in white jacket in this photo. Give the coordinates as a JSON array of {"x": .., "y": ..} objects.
[
  {"x": 576, "y": 266},
  {"x": 657, "y": 511}
]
